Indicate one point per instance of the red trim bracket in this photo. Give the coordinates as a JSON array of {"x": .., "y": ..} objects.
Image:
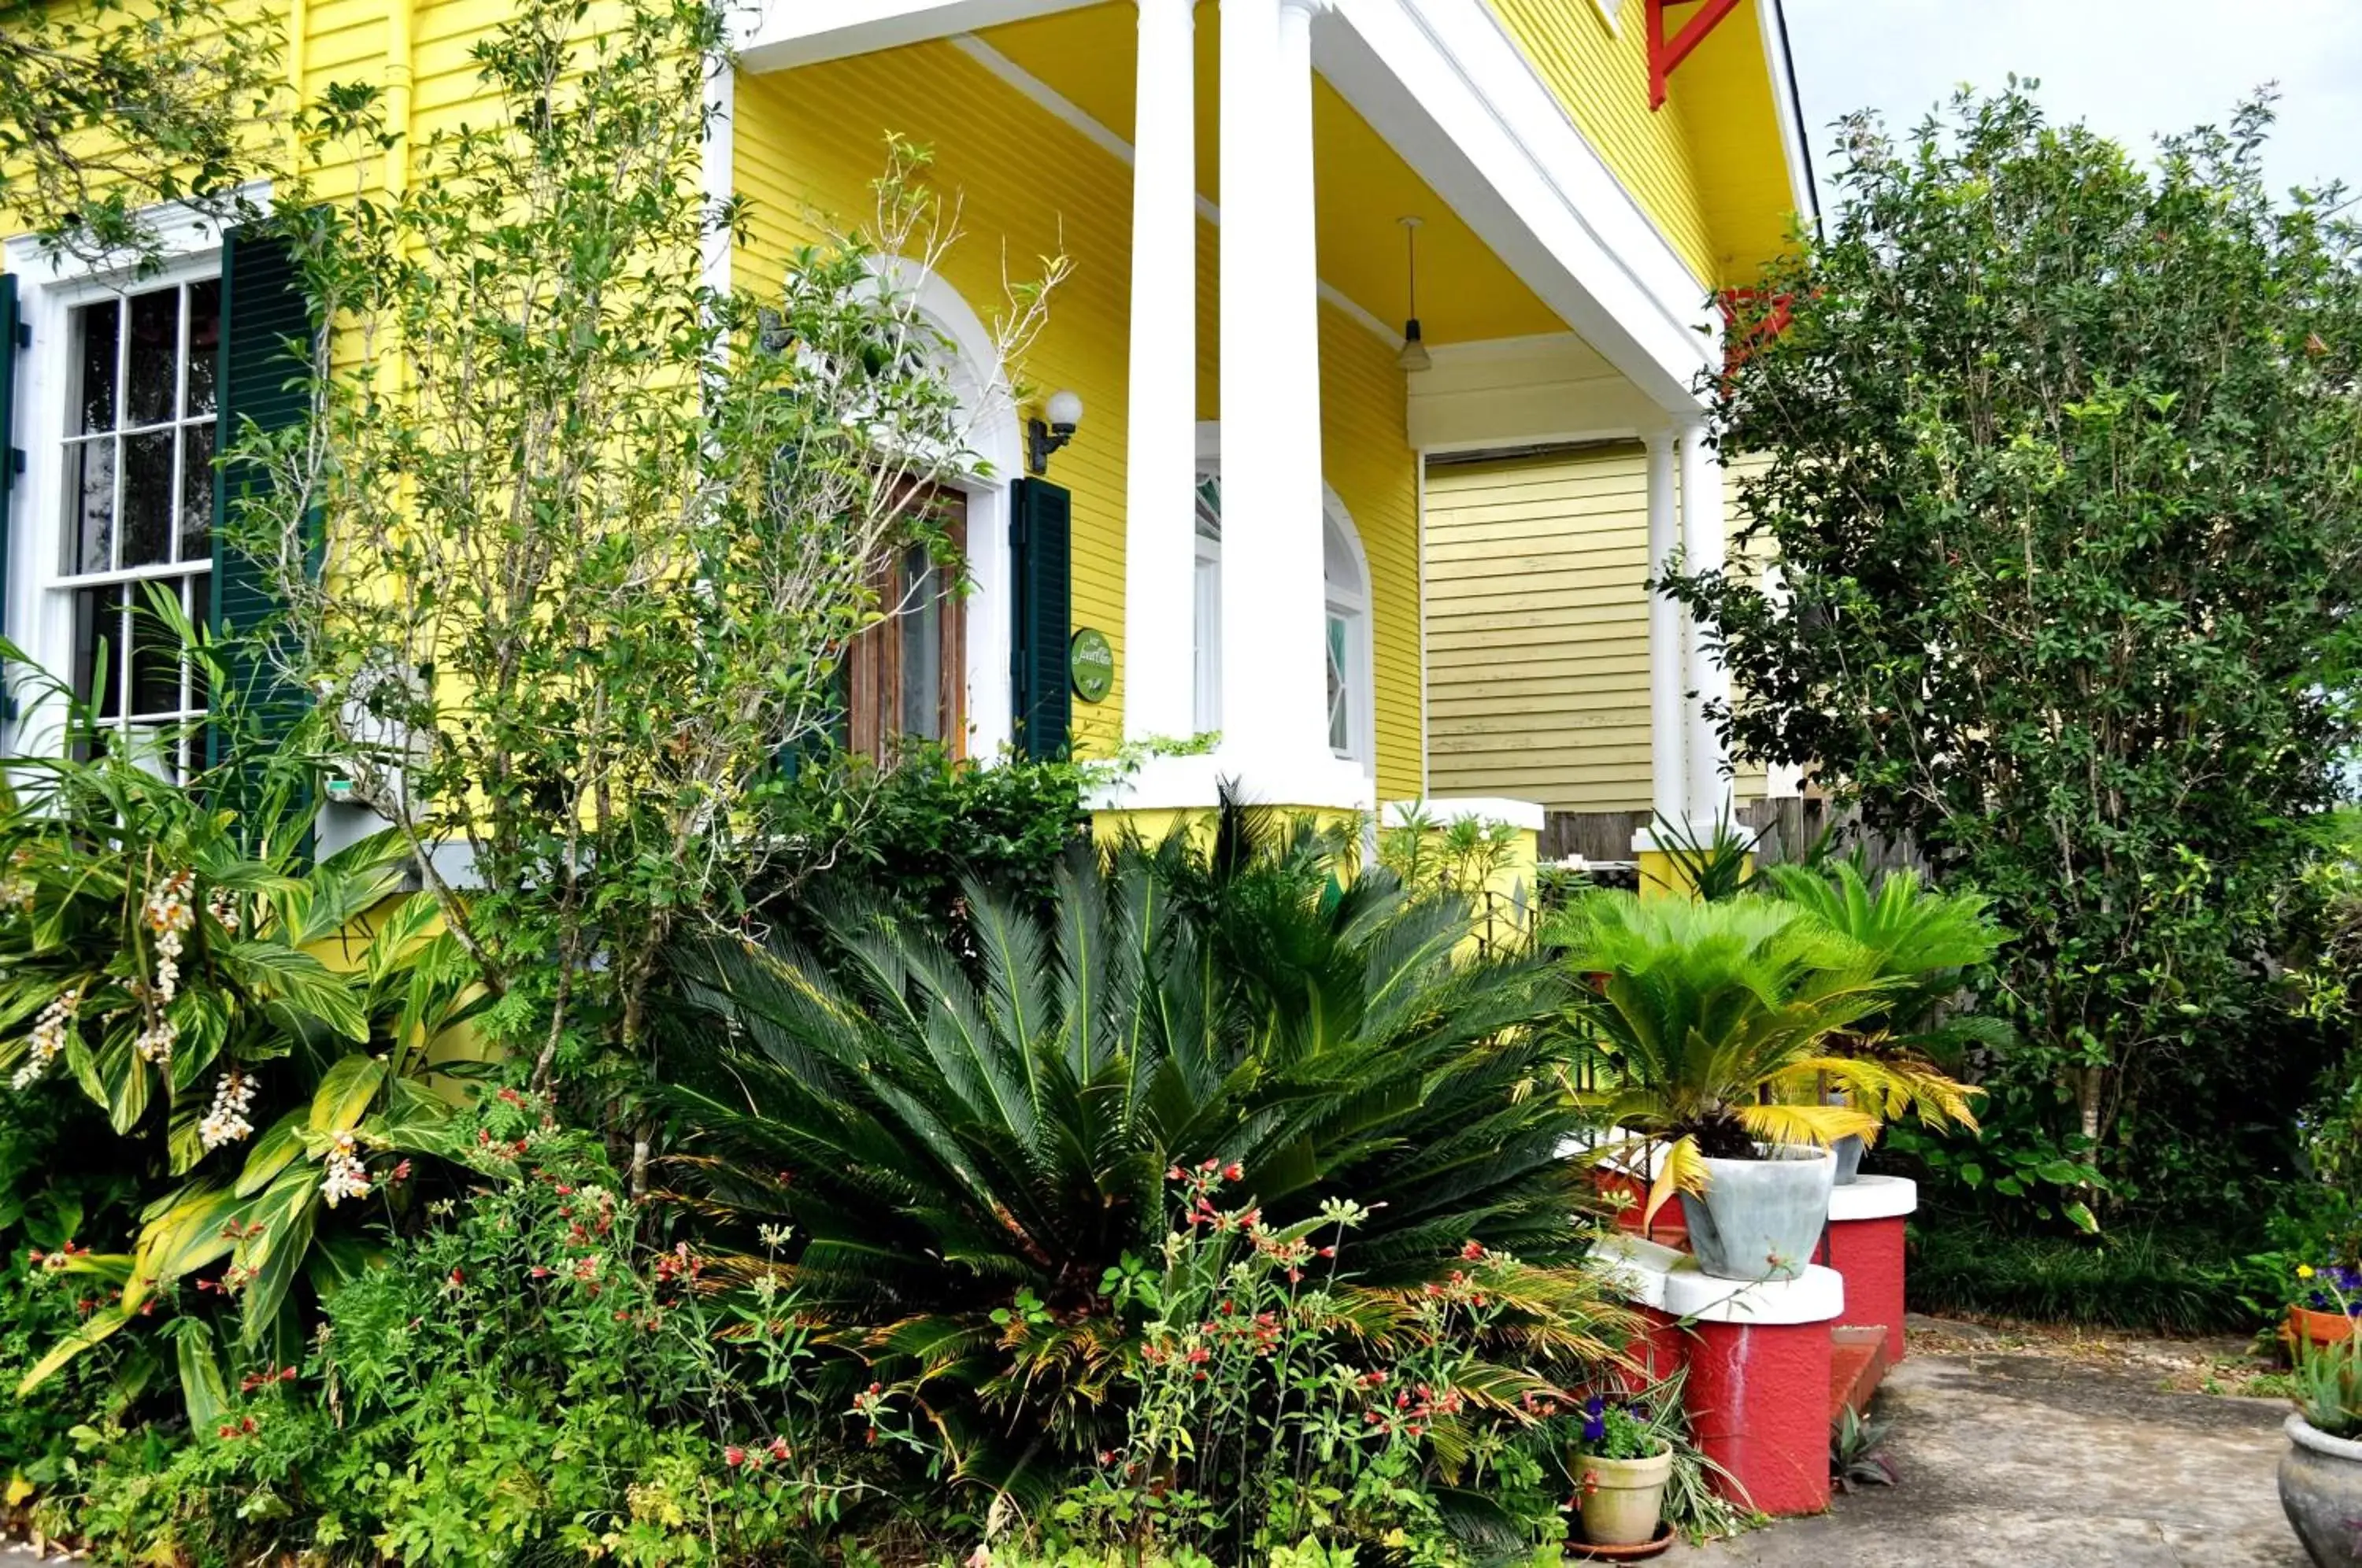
[{"x": 1665, "y": 54}]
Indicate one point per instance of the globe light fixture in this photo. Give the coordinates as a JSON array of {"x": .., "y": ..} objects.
[{"x": 1045, "y": 436}]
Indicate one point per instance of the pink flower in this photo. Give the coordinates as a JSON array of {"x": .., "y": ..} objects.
[{"x": 734, "y": 1456}]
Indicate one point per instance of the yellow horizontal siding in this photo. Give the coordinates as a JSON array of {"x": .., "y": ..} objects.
[
  {"x": 1599, "y": 74},
  {"x": 1538, "y": 629}
]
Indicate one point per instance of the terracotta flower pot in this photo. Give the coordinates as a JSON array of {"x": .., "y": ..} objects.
[
  {"x": 2307, "y": 1326},
  {"x": 1623, "y": 1499}
]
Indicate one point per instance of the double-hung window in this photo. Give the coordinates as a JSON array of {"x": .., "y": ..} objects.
[{"x": 136, "y": 481}]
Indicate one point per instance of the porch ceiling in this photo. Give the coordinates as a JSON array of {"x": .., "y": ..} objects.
[{"x": 1466, "y": 292}]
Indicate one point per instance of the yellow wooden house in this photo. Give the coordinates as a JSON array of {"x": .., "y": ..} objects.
[{"x": 1387, "y": 548}]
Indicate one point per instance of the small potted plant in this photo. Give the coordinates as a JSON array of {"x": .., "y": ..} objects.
[
  {"x": 2321, "y": 1476},
  {"x": 1620, "y": 1467},
  {"x": 2328, "y": 1304}
]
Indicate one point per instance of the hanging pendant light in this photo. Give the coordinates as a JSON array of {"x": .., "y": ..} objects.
[{"x": 1414, "y": 355}]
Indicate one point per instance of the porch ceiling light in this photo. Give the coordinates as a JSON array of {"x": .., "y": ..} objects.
[
  {"x": 1045, "y": 436},
  {"x": 1414, "y": 355}
]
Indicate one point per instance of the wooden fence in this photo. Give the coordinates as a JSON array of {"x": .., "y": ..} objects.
[{"x": 1789, "y": 827}]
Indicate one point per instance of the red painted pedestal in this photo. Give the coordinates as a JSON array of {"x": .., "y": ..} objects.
[
  {"x": 1759, "y": 1361},
  {"x": 1759, "y": 1401},
  {"x": 1865, "y": 1245}
]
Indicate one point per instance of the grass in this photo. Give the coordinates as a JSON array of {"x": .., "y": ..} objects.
[{"x": 2144, "y": 1281}]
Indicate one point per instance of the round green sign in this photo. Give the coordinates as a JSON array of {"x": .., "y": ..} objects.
[{"x": 1090, "y": 663}]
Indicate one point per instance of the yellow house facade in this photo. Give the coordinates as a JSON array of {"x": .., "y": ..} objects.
[
  {"x": 1270, "y": 524},
  {"x": 1271, "y": 514}
]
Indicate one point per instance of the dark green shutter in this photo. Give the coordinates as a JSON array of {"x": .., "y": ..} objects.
[
  {"x": 1041, "y": 552},
  {"x": 12, "y": 457},
  {"x": 265, "y": 325}
]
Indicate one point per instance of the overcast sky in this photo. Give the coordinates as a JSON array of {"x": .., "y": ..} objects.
[{"x": 2130, "y": 68}]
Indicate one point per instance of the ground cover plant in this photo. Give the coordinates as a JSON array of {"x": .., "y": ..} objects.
[{"x": 2055, "y": 452}]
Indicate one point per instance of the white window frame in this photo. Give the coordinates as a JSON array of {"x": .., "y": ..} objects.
[
  {"x": 51, "y": 287},
  {"x": 988, "y": 412},
  {"x": 1352, "y": 603}
]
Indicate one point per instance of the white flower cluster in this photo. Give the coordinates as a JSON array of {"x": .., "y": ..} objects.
[
  {"x": 170, "y": 917},
  {"x": 16, "y": 890},
  {"x": 222, "y": 904},
  {"x": 347, "y": 1177},
  {"x": 49, "y": 1036},
  {"x": 227, "y": 1122}
]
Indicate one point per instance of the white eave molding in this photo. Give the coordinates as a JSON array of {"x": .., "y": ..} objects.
[
  {"x": 1451, "y": 92},
  {"x": 784, "y": 33}
]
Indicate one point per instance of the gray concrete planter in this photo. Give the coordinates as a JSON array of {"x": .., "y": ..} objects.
[
  {"x": 1848, "y": 1151},
  {"x": 2321, "y": 1489},
  {"x": 1761, "y": 1219}
]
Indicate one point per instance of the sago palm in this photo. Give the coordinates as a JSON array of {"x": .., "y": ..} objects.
[
  {"x": 955, "y": 1133},
  {"x": 1922, "y": 942},
  {"x": 1704, "y": 1015}
]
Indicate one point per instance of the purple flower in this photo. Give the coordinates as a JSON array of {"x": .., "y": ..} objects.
[{"x": 1594, "y": 1420}]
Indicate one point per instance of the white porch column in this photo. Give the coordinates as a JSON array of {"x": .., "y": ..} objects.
[
  {"x": 1161, "y": 452},
  {"x": 1668, "y": 648},
  {"x": 1709, "y": 790},
  {"x": 1275, "y": 682}
]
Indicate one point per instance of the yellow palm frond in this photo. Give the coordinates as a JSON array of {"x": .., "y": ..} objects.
[
  {"x": 1816, "y": 1124},
  {"x": 1682, "y": 1170},
  {"x": 1890, "y": 1087}
]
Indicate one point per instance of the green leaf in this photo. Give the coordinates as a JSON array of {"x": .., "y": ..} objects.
[
  {"x": 2085, "y": 1220},
  {"x": 272, "y": 1153},
  {"x": 203, "y": 1390},
  {"x": 297, "y": 988},
  {"x": 345, "y": 1093},
  {"x": 1972, "y": 1174},
  {"x": 100, "y": 1325}
]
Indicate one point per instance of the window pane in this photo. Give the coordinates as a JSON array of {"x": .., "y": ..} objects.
[
  {"x": 97, "y": 614},
  {"x": 155, "y": 662},
  {"x": 1341, "y": 729},
  {"x": 921, "y": 629},
  {"x": 95, "y": 328},
  {"x": 196, "y": 492},
  {"x": 152, "y": 374},
  {"x": 204, "y": 345},
  {"x": 148, "y": 489},
  {"x": 197, "y": 599},
  {"x": 90, "y": 482}
]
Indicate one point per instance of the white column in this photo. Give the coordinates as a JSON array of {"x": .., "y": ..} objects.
[
  {"x": 1161, "y": 445},
  {"x": 1709, "y": 790},
  {"x": 1274, "y": 692},
  {"x": 1668, "y": 648}
]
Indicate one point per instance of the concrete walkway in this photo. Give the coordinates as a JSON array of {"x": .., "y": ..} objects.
[{"x": 2052, "y": 1453}]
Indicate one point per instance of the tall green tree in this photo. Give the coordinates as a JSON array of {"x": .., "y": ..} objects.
[
  {"x": 2058, "y": 454},
  {"x": 573, "y": 538},
  {"x": 109, "y": 107}
]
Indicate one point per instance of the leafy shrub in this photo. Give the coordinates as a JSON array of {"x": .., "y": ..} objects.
[
  {"x": 2065, "y": 551},
  {"x": 165, "y": 956},
  {"x": 912, "y": 834},
  {"x": 510, "y": 1380},
  {"x": 2151, "y": 1281}
]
